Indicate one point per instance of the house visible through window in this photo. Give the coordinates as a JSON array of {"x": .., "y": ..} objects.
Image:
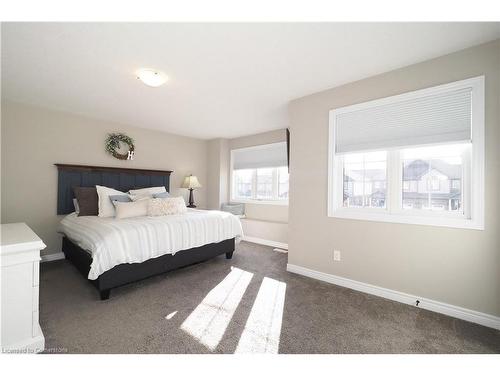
[
  {"x": 413, "y": 158},
  {"x": 436, "y": 172},
  {"x": 260, "y": 173}
]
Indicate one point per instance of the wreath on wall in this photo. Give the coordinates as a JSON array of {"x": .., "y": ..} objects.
[{"x": 113, "y": 145}]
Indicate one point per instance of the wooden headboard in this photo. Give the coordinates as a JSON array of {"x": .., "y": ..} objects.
[{"x": 122, "y": 179}]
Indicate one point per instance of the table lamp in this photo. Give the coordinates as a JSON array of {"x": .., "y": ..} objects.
[{"x": 191, "y": 182}]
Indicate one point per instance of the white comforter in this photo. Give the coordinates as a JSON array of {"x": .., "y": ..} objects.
[{"x": 115, "y": 241}]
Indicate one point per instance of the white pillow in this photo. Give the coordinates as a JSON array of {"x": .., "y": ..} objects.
[
  {"x": 106, "y": 208},
  {"x": 166, "y": 206},
  {"x": 150, "y": 191},
  {"x": 131, "y": 209}
]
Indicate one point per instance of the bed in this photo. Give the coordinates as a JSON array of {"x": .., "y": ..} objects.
[{"x": 111, "y": 252}]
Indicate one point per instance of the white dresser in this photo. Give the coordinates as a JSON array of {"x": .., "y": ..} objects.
[{"x": 20, "y": 256}]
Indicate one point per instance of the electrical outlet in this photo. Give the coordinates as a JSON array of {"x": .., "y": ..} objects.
[{"x": 336, "y": 255}]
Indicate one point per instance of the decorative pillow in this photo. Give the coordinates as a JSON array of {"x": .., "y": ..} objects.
[
  {"x": 87, "y": 200},
  {"x": 161, "y": 195},
  {"x": 150, "y": 190},
  {"x": 166, "y": 206},
  {"x": 131, "y": 209},
  {"x": 120, "y": 198},
  {"x": 237, "y": 209},
  {"x": 106, "y": 208}
]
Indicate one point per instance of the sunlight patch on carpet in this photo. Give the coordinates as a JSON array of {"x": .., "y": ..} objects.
[
  {"x": 171, "y": 315},
  {"x": 209, "y": 320},
  {"x": 263, "y": 327}
]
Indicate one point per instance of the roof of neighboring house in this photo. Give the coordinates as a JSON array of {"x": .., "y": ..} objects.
[
  {"x": 412, "y": 171},
  {"x": 417, "y": 168}
]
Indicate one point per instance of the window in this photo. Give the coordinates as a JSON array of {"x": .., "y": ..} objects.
[
  {"x": 243, "y": 181},
  {"x": 414, "y": 158},
  {"x": 365, "y": 178},
  {"x": 260, "y": 174}
]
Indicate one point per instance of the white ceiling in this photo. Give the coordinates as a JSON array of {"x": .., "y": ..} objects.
[{"x": 226, "y": 80}]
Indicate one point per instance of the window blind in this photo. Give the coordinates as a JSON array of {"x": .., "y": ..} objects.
[
  {"x": 406, "y": 121},
  {"x": 265, "y": 156}
]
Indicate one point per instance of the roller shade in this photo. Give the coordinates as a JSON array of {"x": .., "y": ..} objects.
[
  {"x": 265, "y": 156},
  {"x": 386, "y": 123}
]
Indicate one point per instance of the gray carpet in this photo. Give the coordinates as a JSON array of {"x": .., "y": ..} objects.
[{"x": 316, "y": 317}]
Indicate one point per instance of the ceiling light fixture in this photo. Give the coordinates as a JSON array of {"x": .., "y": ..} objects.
[{"x": 150, "y": 77}]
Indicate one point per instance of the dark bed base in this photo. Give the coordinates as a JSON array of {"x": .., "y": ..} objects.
[{"x": 128, "y": 273}]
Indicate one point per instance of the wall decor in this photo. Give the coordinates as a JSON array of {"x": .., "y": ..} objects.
[{"x": 113, "y": 145}]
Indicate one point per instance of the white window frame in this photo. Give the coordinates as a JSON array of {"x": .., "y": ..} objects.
[
  {"x": 233, "y": 199},
  {"x": 472, "y": 187}
]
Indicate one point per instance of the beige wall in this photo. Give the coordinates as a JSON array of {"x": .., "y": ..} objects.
[
  {"x": 266, "y": 230},
  {"x": 270, "y": 212},
  {"x": 217, "y": 173},
  {"x": 456, "y": 266},
  {"x": 273, "y": 136},
  {"x": 33, "y": 139}
]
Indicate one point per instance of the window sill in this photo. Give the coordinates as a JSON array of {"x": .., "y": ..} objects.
[
  {"x": 252, "y": 201},
  {"x": 450, "y": 222}
]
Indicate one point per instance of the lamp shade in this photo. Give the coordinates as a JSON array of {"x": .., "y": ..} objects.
[{"x": 191, "y": 182}]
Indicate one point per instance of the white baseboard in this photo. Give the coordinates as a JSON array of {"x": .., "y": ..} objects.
[
  {"x": 52, "y": 257},
  {"x": 262, "y": 241},
  {"x": 427, "y": 304}
]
